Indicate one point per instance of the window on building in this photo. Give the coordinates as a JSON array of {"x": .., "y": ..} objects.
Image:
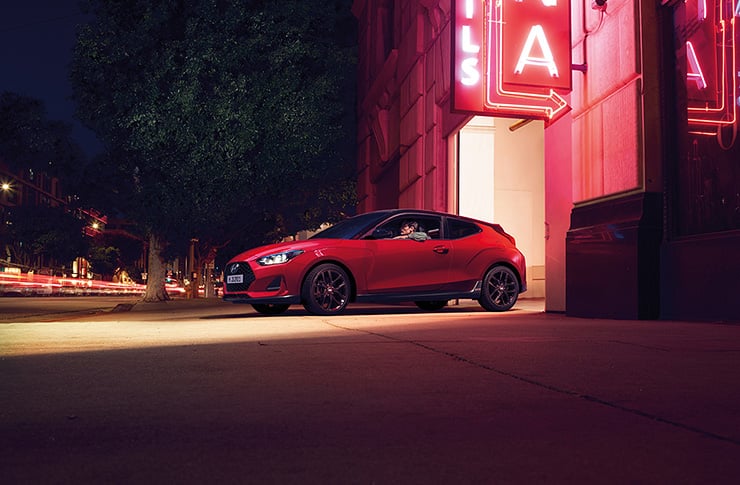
[{"x": 705, "y": 192}]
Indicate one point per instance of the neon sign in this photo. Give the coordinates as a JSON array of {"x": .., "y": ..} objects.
[
  {"x": 712, "y": 65},
  {"x": 510, "y": 57}
]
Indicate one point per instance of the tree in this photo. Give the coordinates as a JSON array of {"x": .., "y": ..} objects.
[
  {"x": 220, "y": 116},
  {"x": 28, "y": 140},
  {"x": 104, "y": 260},
  {"x": 32, "y": 143},
  {"x": 44, "y": 235}
]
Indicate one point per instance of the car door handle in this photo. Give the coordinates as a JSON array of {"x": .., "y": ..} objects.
[{"x": 441, "y": 249}]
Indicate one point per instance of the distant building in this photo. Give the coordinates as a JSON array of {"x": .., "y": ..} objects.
[{"x": 28, "y": 188}]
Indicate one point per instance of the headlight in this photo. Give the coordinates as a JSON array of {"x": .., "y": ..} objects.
[{"x": 278, "y": 258}]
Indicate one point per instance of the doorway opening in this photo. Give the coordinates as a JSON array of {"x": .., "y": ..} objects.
[{"x": 499, "y": 176}]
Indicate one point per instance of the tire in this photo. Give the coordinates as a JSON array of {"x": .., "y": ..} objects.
[
  {"x": 270, "y": 308},
  {"x": 500, "y": 289},
  {"x": 326, "y": 290},
  {"x": 431, "y": 306}
]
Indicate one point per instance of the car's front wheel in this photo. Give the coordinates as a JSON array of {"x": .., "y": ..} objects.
[
  {"x": 431, "y": 306},
  {"x": 326, "y": 290},
  {"x": 270, "y": 308},
  {"x": 500, "y": 289}
]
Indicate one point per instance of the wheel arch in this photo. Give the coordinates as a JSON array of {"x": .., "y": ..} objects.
[
  {"x": 506, "y": 264},
  {"x": 353, "y": 281}
]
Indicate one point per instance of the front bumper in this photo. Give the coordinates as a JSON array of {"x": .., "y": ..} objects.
[{"x": 266, "y": 285}]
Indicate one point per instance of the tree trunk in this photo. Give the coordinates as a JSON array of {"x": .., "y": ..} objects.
[
  {"x": 208, "y": 274},
  {"x": 155, "y": 289},
  {"x": 194, "y": 271}
]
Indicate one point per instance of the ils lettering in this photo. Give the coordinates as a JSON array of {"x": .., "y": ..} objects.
[
  {"x": 469, "y": 65},
  {"x": 471, "y": 75},
  {"x": 467, "y": 43}
]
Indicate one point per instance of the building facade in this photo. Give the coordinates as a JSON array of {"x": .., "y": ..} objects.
[
  {"x": 25, "y": 187},
  {"x": 624, "y": 197}
]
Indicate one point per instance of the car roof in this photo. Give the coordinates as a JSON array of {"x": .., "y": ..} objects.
[{"x": 408, "y": 210}]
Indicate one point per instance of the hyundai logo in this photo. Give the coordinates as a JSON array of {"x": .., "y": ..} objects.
[{"x": 234, "y": 268}]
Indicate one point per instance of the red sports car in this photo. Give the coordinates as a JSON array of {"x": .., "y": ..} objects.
[{"x": 397, "y": 255}]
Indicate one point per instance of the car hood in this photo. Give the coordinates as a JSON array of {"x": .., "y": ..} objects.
[{"x": 258, "y": 252}]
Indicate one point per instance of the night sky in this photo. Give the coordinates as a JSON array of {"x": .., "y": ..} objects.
[{"x": 36, "y": 42}]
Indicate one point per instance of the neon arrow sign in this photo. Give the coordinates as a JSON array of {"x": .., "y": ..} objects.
[
  {"x": 510, "y": 57},
  {"x": 712, "y": 66}
]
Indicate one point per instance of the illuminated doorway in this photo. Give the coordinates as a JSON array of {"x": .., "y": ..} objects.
[{"x": 499, "y": 176}]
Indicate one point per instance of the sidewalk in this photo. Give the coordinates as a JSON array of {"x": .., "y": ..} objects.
[
  {"x": 177, "y": 304},
  {"x": 527, "y": 304},
  {"x": 197, "y": 391}
]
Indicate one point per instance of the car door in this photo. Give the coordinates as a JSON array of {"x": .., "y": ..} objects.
[
  {"x": 407, "y": 265},
  {"x": 469, "y": 253}
]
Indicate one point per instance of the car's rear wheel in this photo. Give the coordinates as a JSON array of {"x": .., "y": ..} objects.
[
  {"x": 326, "y": 290},
  {"x": 270, "y": 308},
  {"x": 431, "y": 306},
  {"x": 500, "y": 289}
]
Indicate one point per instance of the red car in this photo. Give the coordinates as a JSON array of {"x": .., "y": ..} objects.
[{"x": 372, "y": 257}]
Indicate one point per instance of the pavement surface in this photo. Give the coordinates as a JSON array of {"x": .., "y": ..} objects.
[{"x": 197, "y": 391}]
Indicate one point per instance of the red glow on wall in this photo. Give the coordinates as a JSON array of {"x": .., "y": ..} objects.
[{"x": 510, "y": 57}]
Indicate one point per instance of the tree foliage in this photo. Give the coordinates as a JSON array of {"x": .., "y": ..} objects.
[
  {"x": 49, "y": 234},
  {"x": 35, "y": 145},
  {"x": 221, "y": 118},
  {"x": 104, "y": 260},
  {"x": 28, "y": 140},
  {"x": 114, "y": 252}
]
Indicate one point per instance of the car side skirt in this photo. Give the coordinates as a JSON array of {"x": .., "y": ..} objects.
[
  {"x": 278, "y": 300},
  {"x": 473, "y": 294}
]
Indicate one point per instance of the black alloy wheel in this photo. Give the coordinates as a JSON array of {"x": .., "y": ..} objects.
[
  {"x": 431, "y": 306},
  {"x": 270, "y": 308},
  {"x": 326, "y": 290},
  {"x": 500, "y": 289}
]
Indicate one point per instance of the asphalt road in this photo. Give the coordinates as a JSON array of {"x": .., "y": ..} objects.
[
  {"x": 203, "y": 391},
  {"x": 19, "y": 309}
]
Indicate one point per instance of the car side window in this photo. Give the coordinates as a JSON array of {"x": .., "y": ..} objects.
[
  {"x": 457, "y": 229},
  {"x": 430, "y": 225},
  {"x": 389, "y": 230}
]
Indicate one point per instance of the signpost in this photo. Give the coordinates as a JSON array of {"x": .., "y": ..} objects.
[{"x": 511, "y": 57}]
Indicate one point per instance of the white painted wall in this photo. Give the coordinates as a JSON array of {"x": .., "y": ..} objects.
[
  {"x": 476, "y": 169},
  {"x": 501, "y": 177}
]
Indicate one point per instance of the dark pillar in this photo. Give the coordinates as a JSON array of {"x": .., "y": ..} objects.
[{"x": 613, "y": 258}]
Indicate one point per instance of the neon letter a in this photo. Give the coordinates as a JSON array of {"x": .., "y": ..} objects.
[{"x": 548, "y": 61}]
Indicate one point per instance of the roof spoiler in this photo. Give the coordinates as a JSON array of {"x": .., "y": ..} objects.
[{"x": 500, "y": 230}]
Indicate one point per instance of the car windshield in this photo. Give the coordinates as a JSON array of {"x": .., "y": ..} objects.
[{"x": 352, "y": 227}]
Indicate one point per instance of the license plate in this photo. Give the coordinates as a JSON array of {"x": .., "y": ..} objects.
[{"x": 235, "y": 278}]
